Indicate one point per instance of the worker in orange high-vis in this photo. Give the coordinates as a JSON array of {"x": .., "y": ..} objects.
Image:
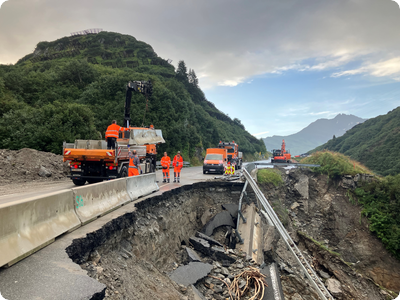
[
  {"x": 112, "y": 134},
  {"x": 178, "y": 165},
  {"x": 165, "y": 164},
  {"x": 134, "y": 164}
]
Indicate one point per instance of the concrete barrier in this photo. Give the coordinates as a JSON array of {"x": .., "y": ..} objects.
[
  {"x": 94, "y": 200},
  {"x": 31, "y": 224},
  {"x": 138, "y": 186}
]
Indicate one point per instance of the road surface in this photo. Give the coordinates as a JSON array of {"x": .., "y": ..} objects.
[{"x": 33, "y": 189}]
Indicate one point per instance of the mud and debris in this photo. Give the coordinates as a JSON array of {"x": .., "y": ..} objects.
[
  {"x": 30, "y": 167},
  {"x": 135, "y": 254}
]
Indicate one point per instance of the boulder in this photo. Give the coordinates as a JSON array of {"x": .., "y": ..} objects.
[{"x": 43, "y": 172}]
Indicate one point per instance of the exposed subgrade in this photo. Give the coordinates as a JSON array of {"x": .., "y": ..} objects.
[{"x": 134, "y": 254}]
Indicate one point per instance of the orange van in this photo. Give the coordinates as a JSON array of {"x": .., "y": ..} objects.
[{"x": 215, "y": 160}]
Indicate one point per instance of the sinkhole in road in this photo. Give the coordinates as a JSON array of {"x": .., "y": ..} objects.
[{"x": 132, "y": 254}]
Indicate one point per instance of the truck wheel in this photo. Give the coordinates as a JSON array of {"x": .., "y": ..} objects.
[
  {"x": 204, "y": 172},
  {"x": 90, "y": 181},
  {"x": 124, "y": 172},
  {"x": 79, "y": 181}
]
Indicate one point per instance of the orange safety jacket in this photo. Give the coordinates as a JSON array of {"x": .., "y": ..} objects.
[
  {"x": 178, "y": 162},
  {"x": 113, "y": 130},
  {"x": 134, "y": 161},
  {"x": 165, "y": 162}
]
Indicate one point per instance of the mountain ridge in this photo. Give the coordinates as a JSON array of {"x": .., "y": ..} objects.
[
  {"x": 375, "y": 143},
  {"x": 315, "y": 134}
]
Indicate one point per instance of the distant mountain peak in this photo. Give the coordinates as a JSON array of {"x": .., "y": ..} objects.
[{"x": 315, "y": 134}]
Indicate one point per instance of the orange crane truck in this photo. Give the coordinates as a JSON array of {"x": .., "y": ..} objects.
[
  {"x": 234, "y": 156},
  {"x": 281, "y": 155},
  {"x": 91, "y": 161}
]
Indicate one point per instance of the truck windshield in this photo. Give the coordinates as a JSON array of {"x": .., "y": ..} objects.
[
  {"x": 214, "y": 157},
  {"x": 231, "y": 150}
]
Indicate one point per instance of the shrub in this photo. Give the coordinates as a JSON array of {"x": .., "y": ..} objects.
[
  {"x": 335, "y": 164},
  {"x": 381, "y": 205},
  {"x": 269, "y": 176}
]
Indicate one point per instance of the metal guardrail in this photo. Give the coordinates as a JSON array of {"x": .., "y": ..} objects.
[
  {"x": 186, "y": 164},
  {"x": 287, "y": 165},
  {"x": 250, "y": 167},
  {"x": 309, "y": 272}
]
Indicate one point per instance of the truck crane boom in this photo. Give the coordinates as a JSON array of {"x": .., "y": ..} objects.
[{"x": 143, "y": 87}]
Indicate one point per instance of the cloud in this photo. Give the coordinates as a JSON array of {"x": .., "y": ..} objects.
[
  {"x": 231, "y": 82},
  {"x": 261, "y": 133},
  {"x": 319, "y": 113},
  {"x": 229, "y": 41},
  {"x": 386, "y": 68}
]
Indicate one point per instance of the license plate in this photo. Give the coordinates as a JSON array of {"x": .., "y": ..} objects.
[{"x": 212, "y": 170}]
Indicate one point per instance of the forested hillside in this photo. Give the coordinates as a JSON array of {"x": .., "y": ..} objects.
[
  {"x": 72, "y": 88},
  {"x": 375, "y": 143}
]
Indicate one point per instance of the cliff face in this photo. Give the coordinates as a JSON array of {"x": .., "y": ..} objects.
[{"x": 320, "y": 216}]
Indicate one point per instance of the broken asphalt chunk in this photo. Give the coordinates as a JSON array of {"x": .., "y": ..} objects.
[
  {"x": 232, "y": 209},
  {"x": 200, "y": 245},
  {"x": 218, "y": 253},
  {"x": 192, "y": 255},
  {"x": 197, "y": 294},
  {"x": 220, "y": 219},
  {"x": 191, "y": 273},
  {"x": 211, "y": 241}
]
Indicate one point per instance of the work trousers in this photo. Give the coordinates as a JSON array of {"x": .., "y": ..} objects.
[
  {"x": 165, "y": 173},
  {"x": 177, "y": 173},
  {"x": 111, "y": 142},
  {"x": 133, "y": 171}
]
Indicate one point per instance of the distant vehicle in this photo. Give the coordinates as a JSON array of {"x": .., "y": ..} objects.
[
  {"x": 215, "y": 161},
  {"x": 91, "y": 161},
  {"x": 234, "y": 156},
  {"x": 281, "y": 155}
]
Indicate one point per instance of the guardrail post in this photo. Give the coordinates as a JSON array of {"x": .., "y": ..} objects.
[{"x": 240, "y": 211}]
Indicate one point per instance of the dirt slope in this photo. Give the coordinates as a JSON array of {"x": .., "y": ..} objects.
[{"x": 26, "y": 165}]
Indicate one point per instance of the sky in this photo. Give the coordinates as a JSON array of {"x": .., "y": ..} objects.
[{"x": 275, "y": 65}]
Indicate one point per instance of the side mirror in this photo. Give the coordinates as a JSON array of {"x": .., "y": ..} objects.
[
  {"x": 225, "y": 159},
  {"x": 202, "y": 158}
]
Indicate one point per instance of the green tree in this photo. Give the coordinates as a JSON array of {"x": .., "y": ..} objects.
[
  {"x": 181, "y": 71},
  {"x": 78, "y": 73},
  {"x": 193, "y": 78}
]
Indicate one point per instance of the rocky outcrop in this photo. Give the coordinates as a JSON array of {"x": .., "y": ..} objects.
[{"x": 320, "y": 208}]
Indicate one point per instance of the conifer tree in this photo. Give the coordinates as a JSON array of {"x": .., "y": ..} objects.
[
  {"x": 181, "y": 71},
  {"x": 193, "y": 78}
]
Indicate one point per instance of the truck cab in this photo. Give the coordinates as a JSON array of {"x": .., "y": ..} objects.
[
  {"x": 234, "y": 156},
  {"x": 215, "y": 161}
]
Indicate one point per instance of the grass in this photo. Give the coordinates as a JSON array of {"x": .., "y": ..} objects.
[
  {"x": 269, "y": 176},
  {"x": 322, "y": 246},
  {"x": 335, "y": 164}
]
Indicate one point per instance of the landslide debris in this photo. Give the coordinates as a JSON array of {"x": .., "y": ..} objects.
[
  {"x": 333, "y": 235},
  {"x": 28, "y": 165}
]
